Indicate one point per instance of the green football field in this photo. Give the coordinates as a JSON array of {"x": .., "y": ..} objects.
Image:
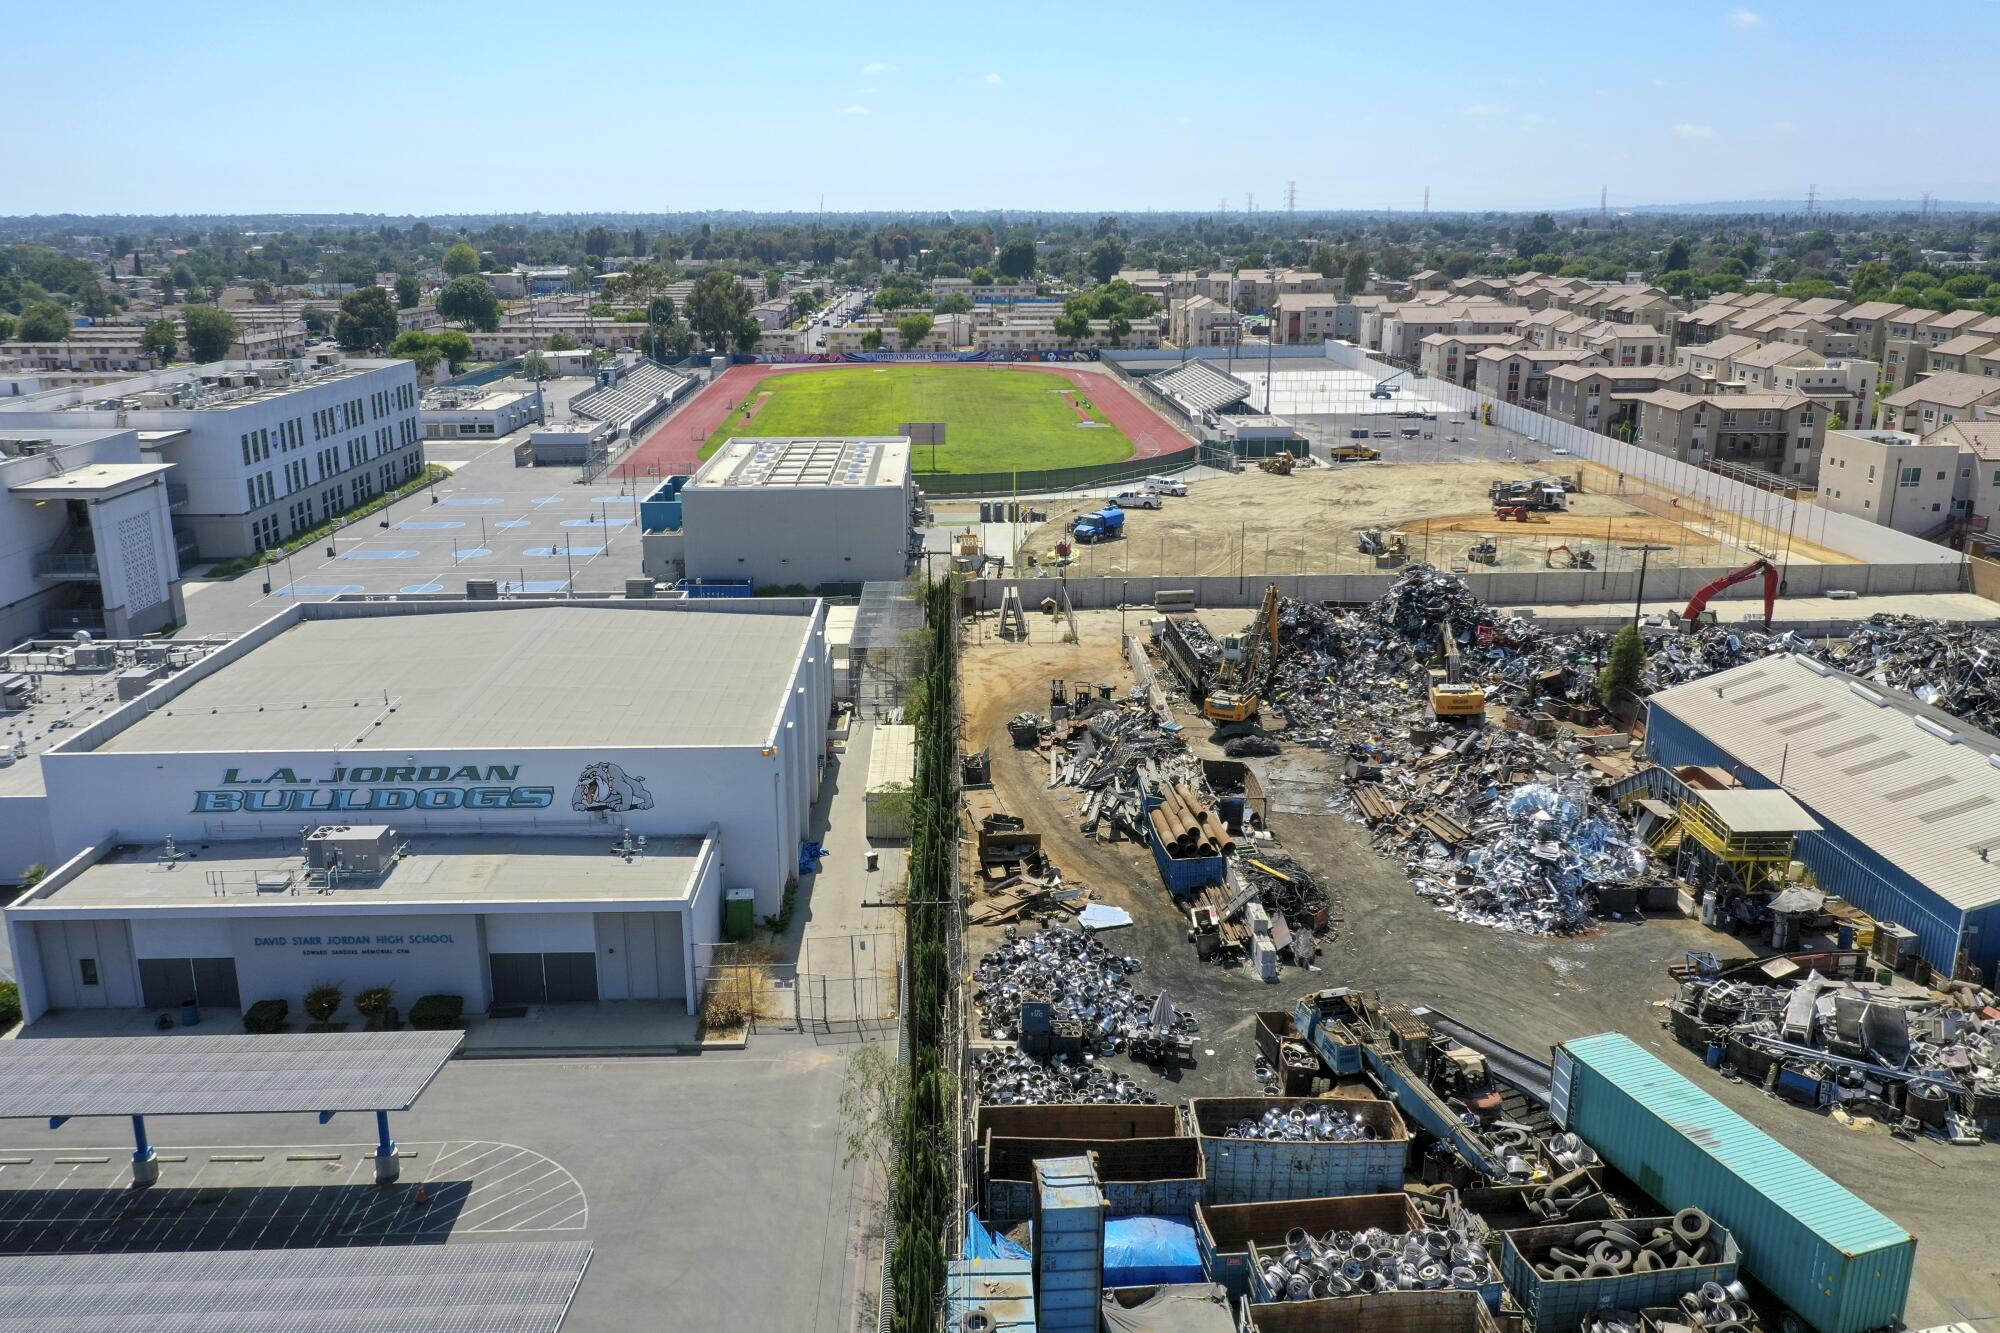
[{"x": 995, "y": 420}]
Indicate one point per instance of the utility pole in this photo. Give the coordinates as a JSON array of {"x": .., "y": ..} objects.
[{"x": 1645, "y": 551}]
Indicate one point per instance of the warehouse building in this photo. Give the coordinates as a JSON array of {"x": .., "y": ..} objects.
[
  {"x": 1908, "y": 796},
  {"x": 509, "y": 802},
  {"x": 786, "y": 513}
]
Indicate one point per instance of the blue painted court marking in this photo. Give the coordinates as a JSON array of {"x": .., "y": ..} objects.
[
  {"x": 428, "y": 525},
  {"x": 473, "y": 552},
  {"x": 316, "y": 589},
  {"x": 539, "y": 585},
  {"x": 423, "y": 587},
  {"x": 468, "y": 500},
  {"x": 379, "y": 555},
  {"x": 593, "y": 523},
  {"x": 513, "y": 523},
  {"x": 547, "y": 552}
]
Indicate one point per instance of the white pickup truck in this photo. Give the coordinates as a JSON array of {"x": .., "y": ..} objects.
[{"x": 1137, "y": 500}]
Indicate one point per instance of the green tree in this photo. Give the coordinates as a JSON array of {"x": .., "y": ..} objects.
[
  {"x": 717, "y": 305},
  {"x": 534, "y": 366},
  {"x": 44, "y": 322},
  {"x": 982, "y": 276},
  {"x": 1871, "y": 278},
  {"x": 456, "y": 348},
  {"x": 669, "y": 340},
  {"x": 460, "y": 260},
  {"x": 958, "y": 303},
  {"x": 210, "y": 331},
  {"x": 262, "y": 292},
  {"x": 160, "y": 339},
  {"x": 871, "y": 341},
  {"x": 417, "y": 346},
  {"x": 470, "y": 303},
  {"x": 1838, "y": 421},
  {"x": 1354, "y": 274},
  {"x": 1106, "y": 258},
  {"x": 1072, "y": 326},
  {"x": 774, "y": 282},
  {"x": 408, "y": 291},
  {"x": 561, "y": 342},
  {"x": 317, "y": 319},
  {"x": 1017, "y": 258},
  {"x": 367, "y": 322},
  {"x": 1676, "y": 256},
  {"x": 1619, "y": 680},
  {"x": 598, "y": 241},
  {"x": 1324, "y": 261},
  {"x": 913, "y": 329},
  {"x": 748, "y": 334},
  {"x": 1458, "y": 263},
  {"x": 7, "y": 326},
  {"x": 1119, "y": 328},
  {"x": 660, "y": 310}
]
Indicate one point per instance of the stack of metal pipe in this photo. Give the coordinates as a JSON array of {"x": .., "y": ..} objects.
[{"x": 1187, "y": 825}]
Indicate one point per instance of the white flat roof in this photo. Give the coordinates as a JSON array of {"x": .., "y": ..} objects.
[
  {"x": 876, "y": 460},
  {"x": 92, "y": 479},
  {"x": 268, "y": 875},
  {"x": 499, "y": 675}
]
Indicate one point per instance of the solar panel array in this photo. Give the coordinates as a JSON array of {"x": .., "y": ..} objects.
[
  {"x": 221, "y": 1075},
  {"x": 524, "y": 1288},
  {"x": 807, "y": 463}
]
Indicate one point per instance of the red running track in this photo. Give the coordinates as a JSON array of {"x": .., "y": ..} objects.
[{"x": 672, "y": 447}]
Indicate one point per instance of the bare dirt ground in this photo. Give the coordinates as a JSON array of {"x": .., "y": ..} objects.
[
  {"x": 1255, "y": 523},
  {"x": 1529, "y": 992}
]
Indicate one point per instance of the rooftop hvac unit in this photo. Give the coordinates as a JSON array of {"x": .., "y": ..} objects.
[
  {"x": 354, "y": 849},
  {"x": 639, "y": 589},
  {"x": 482, "y": 590}
]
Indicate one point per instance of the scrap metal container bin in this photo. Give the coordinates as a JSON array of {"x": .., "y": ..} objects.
[
  {"x": 1062, "y": 1120},
  {"x": 1256, "y": 1170},
  {"x": 1140, "y": 1177},
  {"x": 1557, "y": 1306},
  {"x": 990, "y": 1294},
  {"x": 1388, "y": 1312},
  {"x": 1224, "y": 1233},
  {"x": 1069, "y": 1245},
  {"x": 1839, "y": 1264}
]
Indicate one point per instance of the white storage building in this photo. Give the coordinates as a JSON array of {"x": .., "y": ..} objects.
[{"x": 511, "y": 802}]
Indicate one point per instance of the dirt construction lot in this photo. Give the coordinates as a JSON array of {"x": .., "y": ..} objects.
[
  {"x": 1255, "y": 523},
  {"x": 1527, "y": 991}
]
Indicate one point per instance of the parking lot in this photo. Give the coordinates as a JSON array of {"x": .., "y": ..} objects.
[
  {"x": 710, "y": 1185},
  {"x": 530, "y": 529}
]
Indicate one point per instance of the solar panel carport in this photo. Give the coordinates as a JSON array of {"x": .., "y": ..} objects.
[
  {"x": 324, "y": 1073},
  {"x": 524, "y": 1288}
]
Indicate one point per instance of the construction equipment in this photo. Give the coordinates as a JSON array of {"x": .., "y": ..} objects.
[
  {"x": 1511, "y": 513},
  {"x": 1485, "y": 551},
  {"x": 1246, "y": 662},
  {"x": 1387, "y": 388},
  {"x": 1451, "y": 698},
  {"x": 1579, "y": 556},
  {"x": 1279, "y": 464},
  {"x": 1697, "y": 605},
  {"x": 1353, "y": 453},
  {"x": 1531, "y": 495},
  {"x": 1388, "y": 549}
]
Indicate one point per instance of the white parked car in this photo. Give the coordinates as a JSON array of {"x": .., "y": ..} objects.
[
  {"x": 1137, "y": 500},
  {"x": 1166, "y": 486}
]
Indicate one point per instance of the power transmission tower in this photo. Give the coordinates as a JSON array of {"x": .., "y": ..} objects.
[
  {"x": 1927, "y": 208},
  {"x": 1812, "y": 202},
  {"x": 1603, "y": 203},
  {"x": 1249, "y": 202},
  {"x": 1427, "y": 203},
  {"x": 1291, "y": 201}
]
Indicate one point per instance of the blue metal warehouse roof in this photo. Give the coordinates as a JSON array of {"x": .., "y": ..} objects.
[{"x": 1802, "y": 1190}]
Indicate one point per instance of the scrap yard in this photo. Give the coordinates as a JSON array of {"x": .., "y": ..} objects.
[{"x": 1305, "y": 929}]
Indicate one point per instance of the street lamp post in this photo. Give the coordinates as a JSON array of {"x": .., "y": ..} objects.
[{"x": 1645, "y": 550}]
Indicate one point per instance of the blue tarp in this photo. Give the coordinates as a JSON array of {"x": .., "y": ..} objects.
[
  {"x": 1150, "y": 1252},
  {"x": 981, "y": 1243}
]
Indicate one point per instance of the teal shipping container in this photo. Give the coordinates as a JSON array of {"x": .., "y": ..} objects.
[
  {"x": 1069, "y": 1245},
  {"x": 1839, "y": 1264}
]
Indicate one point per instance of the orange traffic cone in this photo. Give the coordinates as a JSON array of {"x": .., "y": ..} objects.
[{"x": 423, "y": 1194}]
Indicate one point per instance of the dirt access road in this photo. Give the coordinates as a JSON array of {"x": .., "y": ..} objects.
[{"x": 1530, "y": 992}]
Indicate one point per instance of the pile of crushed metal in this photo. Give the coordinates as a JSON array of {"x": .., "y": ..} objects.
[
  {"x": 1818, "y": 1030},
  {"x": 1954, "y": 668},
  {"x": 1497, "y": 826},
  {"x": 1067, "y": 1000}
]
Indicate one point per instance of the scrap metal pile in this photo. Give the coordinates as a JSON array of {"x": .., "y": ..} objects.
[
  {"x": 1951, "y": 667},
  {"x": 1614, "y": 1249},
  {"x": 1116, "y": 755},
  {"x": 1325, "y": 1123},
  {"x": 1855, "y": 1040},
  {"x": 1010, "y": 1077},
  {"x": 1343, "y": 1263}
]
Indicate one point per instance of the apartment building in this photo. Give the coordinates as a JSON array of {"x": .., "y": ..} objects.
[
  {"x": 1777, "y": 433},
  {"x": 986, "y": 293},
  {"x": 1449, "y": 356},
  {"x": 1963, "y": 354},
  {"x": 1844, "y": 389},
  {"x": 265, "y": 449},
  {"x": 1977, "y": 494},
  {"x": 1757, "y": 368},
  {"x": 86, "y": 535},
  {"x": 1198, "y": 321},
  {"x": 1938, "y": 400},
  {"x": 1906, "y": 344},
  {"x": 1711, "y": 359},
  {"x": 519, "y": 337},
  {"x": 103, "y": 348},
  {"x": 1315, "y": 317},
  {"x": 1598, "y": 397},
  {"x": 1868, "y": 322},
  {"x": 1404, "y": 327},
  {"x": 1890, "y": 477},
  {"x": 1521, "y": 374}
]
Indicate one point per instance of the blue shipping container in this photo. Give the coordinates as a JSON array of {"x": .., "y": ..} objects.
[
  {"x": 1069, "y": 1244},
  {"x": 1842, "y": 1266},
  {"x": 1002, "y": 1291}
]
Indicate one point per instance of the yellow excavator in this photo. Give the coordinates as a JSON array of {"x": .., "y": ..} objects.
[
  {"x": 1246, "y": 663},
  {"x": 1452, "y": 699}
]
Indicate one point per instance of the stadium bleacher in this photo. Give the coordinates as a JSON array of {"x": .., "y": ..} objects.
[
  {"x": 635, "y": 398},
  {"x": 1198, "y": 387}
]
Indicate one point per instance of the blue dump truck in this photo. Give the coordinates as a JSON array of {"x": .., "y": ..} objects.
[{"x": 1101, "y": 525}]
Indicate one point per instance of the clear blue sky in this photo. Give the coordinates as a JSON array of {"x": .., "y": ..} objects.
[{"x": 429, "y": 106}]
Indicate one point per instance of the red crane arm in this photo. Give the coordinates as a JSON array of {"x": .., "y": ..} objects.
[{"x": 1699, "y": 601}]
